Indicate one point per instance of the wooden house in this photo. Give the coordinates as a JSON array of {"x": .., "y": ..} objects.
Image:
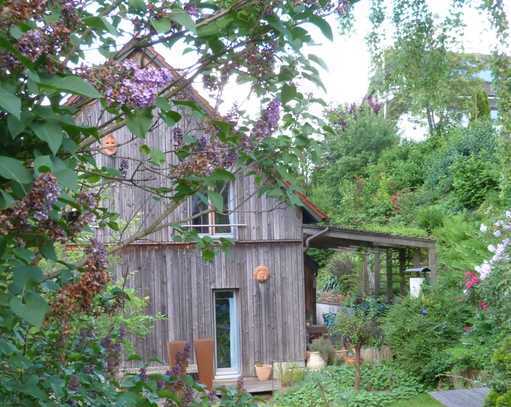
[{"x": 251, "y": 321}]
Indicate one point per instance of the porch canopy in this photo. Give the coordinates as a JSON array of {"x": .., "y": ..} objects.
[{"x": 403, "y": 251}]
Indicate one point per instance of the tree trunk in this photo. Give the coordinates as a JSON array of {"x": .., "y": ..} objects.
[{"x": 358, "y": 363}]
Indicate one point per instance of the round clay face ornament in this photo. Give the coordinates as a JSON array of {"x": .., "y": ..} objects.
[
  {"x": 261, "y": 274},
  {"x": 109, "y": 145}
]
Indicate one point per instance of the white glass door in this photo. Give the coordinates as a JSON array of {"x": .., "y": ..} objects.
[{"x": 226, "y": 333}]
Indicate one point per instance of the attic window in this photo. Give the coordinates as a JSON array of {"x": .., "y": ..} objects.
[{"x": 212, "y": 211}]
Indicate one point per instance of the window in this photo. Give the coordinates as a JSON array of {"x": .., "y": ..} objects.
[
  {"x": 207, "y": 218},
  {"x": 227, "y": 341}
]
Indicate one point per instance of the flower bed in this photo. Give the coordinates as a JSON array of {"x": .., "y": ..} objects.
[{"x": 381, "y": 385}]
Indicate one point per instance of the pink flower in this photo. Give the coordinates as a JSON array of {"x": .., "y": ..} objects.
[
  {"x": 471, "y": 279},
  {"x": 484, "y": 305}
]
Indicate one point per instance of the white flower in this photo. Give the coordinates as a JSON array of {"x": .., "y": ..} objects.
[
  {"x": 508, "y": 214},
  {"x": 483, "y": 228},
  {"x": 484, "y": 270},
  {"x": 497, "y": 233},
  {"x": 492, "y": 248}
]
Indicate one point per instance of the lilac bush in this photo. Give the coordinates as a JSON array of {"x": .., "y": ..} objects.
[{"x": 127, "y": 83}]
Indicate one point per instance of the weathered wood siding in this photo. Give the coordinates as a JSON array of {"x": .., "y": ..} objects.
[
  {"x": 180, "y": 285},
  {"x": 265, "y": 218}
]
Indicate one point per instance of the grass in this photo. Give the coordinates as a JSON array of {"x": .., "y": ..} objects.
[{"x": 424, "y": 400}]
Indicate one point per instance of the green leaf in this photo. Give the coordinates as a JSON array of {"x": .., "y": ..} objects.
[
  {"x": 100, "y": 23},
  {"x": 139, "y": 122},
  {"x": 215, "y": 27},
  {"x": 217, "y": 200},
  {"x": 14, "y": 169},
  {"x": 43, "y": 163},
  {"x": 170, "y": 118},
  {"x": 66, "y": 176},
  {"x": 163, "y": 104},
  {"x": 318, "y": 61},
  {"x": 33, "y": 310},
  {"x": 7, "y": 347},
  {"x": 48, "y": 250},
  {"x": 10, "y": 103},
  {"x": 49, "y": 132},
  {"x": 183, "y": 18},
  {"x": 6, "y": 200},
  {"x": 73, "y": 84},
  {"x": 162, "y": 25},
  {"x": 323, "y": 25},
  {"x": 137, "y": 4},
  {"x": 26, "y": 275},
  {"x": 15, "y": 126},
  {"x": 287, "y": 93}
]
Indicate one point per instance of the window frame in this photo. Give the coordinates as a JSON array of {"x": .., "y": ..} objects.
[{"x": 211, "y": 216}]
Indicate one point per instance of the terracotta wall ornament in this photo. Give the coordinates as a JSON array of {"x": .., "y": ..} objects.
[
  {"x": 109, "y": 145},
  {"x": 261, "y": 274}
]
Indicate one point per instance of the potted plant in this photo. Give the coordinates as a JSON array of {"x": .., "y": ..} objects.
[
  {"x": 263, "y": 371},
  {"x": 325, "y": 348}
]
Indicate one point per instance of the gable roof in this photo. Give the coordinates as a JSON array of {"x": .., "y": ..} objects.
[{"x": 314, "y": 212}]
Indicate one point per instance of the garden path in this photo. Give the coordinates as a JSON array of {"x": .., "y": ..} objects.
[{"x": 461, "y": 398}]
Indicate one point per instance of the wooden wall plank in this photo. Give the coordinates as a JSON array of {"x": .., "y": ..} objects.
[{"x": 180, "y": 284}]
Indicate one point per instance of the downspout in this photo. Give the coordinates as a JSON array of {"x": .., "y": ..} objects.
[{"x": 315, "y": 235}]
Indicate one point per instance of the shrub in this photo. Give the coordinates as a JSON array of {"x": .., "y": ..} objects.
[
  {"x": 325, "y": 348},
  {"x": 500, "y": 395},
  {"x": 291, "y": 375},
  {"x": 473, "y": 179},
  {"x": 420, "y": 330}
]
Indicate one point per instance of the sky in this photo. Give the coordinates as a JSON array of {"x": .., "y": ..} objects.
[{"x": 348, "y": 61}]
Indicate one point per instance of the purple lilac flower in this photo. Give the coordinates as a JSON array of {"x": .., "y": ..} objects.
[
  {"x": 122, "y": 331},
  {"x": 32, "y": 44},
  {"x": 343, "y": 7},
  {"x": 142, "y": 373},
  {"x": 44, "y": 194},
  {"x": 126, "y": 83},
  {"x": 96, "y": 254},
  {"x": 373, "y": 104},
  {"x": 87, "y": 199},
  {"x": 191, "y": 9},
  {"x": 268, "y": 122},
  {"x": 188, "y": 396}
]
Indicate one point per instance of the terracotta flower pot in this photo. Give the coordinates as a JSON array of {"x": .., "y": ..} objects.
[
  {"x": 350, "y": 360},
  {"x": 263, "y": 372},
  {"x": 341, "y": 354},
  {"x": 316, "y": 362},
  {"x": 205, "y": 354}
]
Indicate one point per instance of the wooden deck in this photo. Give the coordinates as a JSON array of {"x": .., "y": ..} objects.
[
  {"x": 461, "y": 398},
  {"x": 251, "y": 384}
]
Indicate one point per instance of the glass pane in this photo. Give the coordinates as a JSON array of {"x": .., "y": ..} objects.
[
  {"x": 222, "y": 218},
  {"x": 223, "y": 303},
  {"x": 199, "y": 206}
]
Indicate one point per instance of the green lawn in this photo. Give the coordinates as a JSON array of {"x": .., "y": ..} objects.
[{"x": 424, "y": 400}]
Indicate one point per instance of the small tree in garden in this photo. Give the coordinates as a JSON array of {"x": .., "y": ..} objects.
[{"x": 359, "y": 326}]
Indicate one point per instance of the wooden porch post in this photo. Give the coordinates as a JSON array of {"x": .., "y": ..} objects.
[
  {"x": 390, "y": 291},
  {"x": 365, "y": 275},
  {"x": 376, "y": 272},
  {"x": 432, "y": 263},
  {"x": 402, "y": 268}
]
